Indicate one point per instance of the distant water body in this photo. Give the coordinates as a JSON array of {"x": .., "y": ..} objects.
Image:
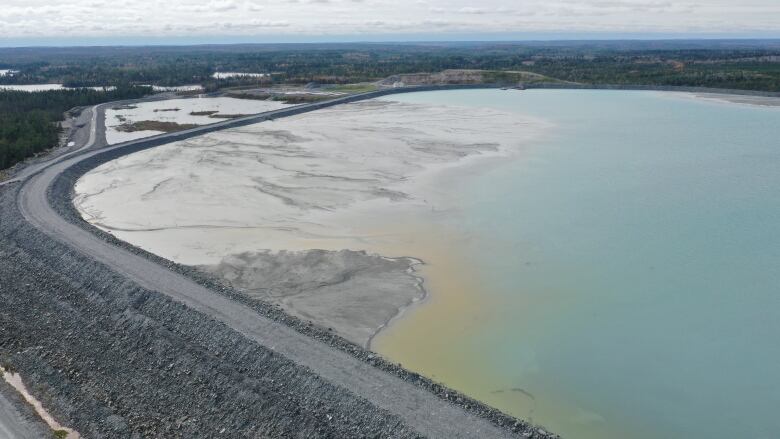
[{"x": 628, "y": 265}]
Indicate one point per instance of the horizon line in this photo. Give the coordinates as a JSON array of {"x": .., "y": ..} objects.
[{"x": 528, "y": 37}]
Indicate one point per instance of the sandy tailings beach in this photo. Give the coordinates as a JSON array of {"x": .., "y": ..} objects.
[
  {"x": 330, "y": 214},
  {"x": 144, "y": 119}
]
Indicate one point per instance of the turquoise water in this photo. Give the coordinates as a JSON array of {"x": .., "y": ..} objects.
[{"x": 631, "y": 258}]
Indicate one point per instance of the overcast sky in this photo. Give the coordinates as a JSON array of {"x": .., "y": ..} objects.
[{"x": 30, "y": 19}]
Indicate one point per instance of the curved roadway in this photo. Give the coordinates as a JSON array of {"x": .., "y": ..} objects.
[
  {"x": 37, "y": 167},
  {"x": 419, "y": 409}
]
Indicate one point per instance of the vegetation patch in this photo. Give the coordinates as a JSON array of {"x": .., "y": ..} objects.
[
  {"x": 203, "y": 113},
  {"x": 247, "y": 95},
  {"x": 5, "y": 366},
  {"x": 154, "y": 125},
  {"x": 189, "y": 92},
  {"x": 30, "y": 122}
]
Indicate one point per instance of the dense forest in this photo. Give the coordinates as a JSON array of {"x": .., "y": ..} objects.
[
  {"x": 738, "y": 64},
  {"x": 30, "y": 122}
]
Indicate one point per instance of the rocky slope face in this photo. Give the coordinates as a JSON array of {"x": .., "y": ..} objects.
[{"x": 111, "y": 359}]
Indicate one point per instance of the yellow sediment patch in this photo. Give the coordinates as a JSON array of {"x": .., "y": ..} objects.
[
  {"x": 451, "y": 311},
  {"x": 441, "y": 337}
]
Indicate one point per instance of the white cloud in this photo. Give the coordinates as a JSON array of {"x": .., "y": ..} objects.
[
  {"x": 77, "y": 18},
  {"x": 471, "y": 10}
]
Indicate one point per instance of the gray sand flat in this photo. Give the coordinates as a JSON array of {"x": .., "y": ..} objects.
[
  {"x": 352, "y": 292},
  {"x": 761, "y": 101},
  {"x": 233, "y": 201}
]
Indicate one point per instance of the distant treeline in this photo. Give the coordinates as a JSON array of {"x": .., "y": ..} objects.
[
  {"x": 30, "y": 122},
  {"x": 745, "y": 64}
]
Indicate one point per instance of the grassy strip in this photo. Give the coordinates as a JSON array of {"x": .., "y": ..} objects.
[{"x": 352, "y": 88}]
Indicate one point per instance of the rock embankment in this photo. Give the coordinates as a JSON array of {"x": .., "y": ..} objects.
[{"x": 115, "y": 360}]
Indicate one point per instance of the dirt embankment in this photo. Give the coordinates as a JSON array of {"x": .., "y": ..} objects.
[
  {"x": 460, "y": 77},
  {"x": 298, "y": 98}
]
